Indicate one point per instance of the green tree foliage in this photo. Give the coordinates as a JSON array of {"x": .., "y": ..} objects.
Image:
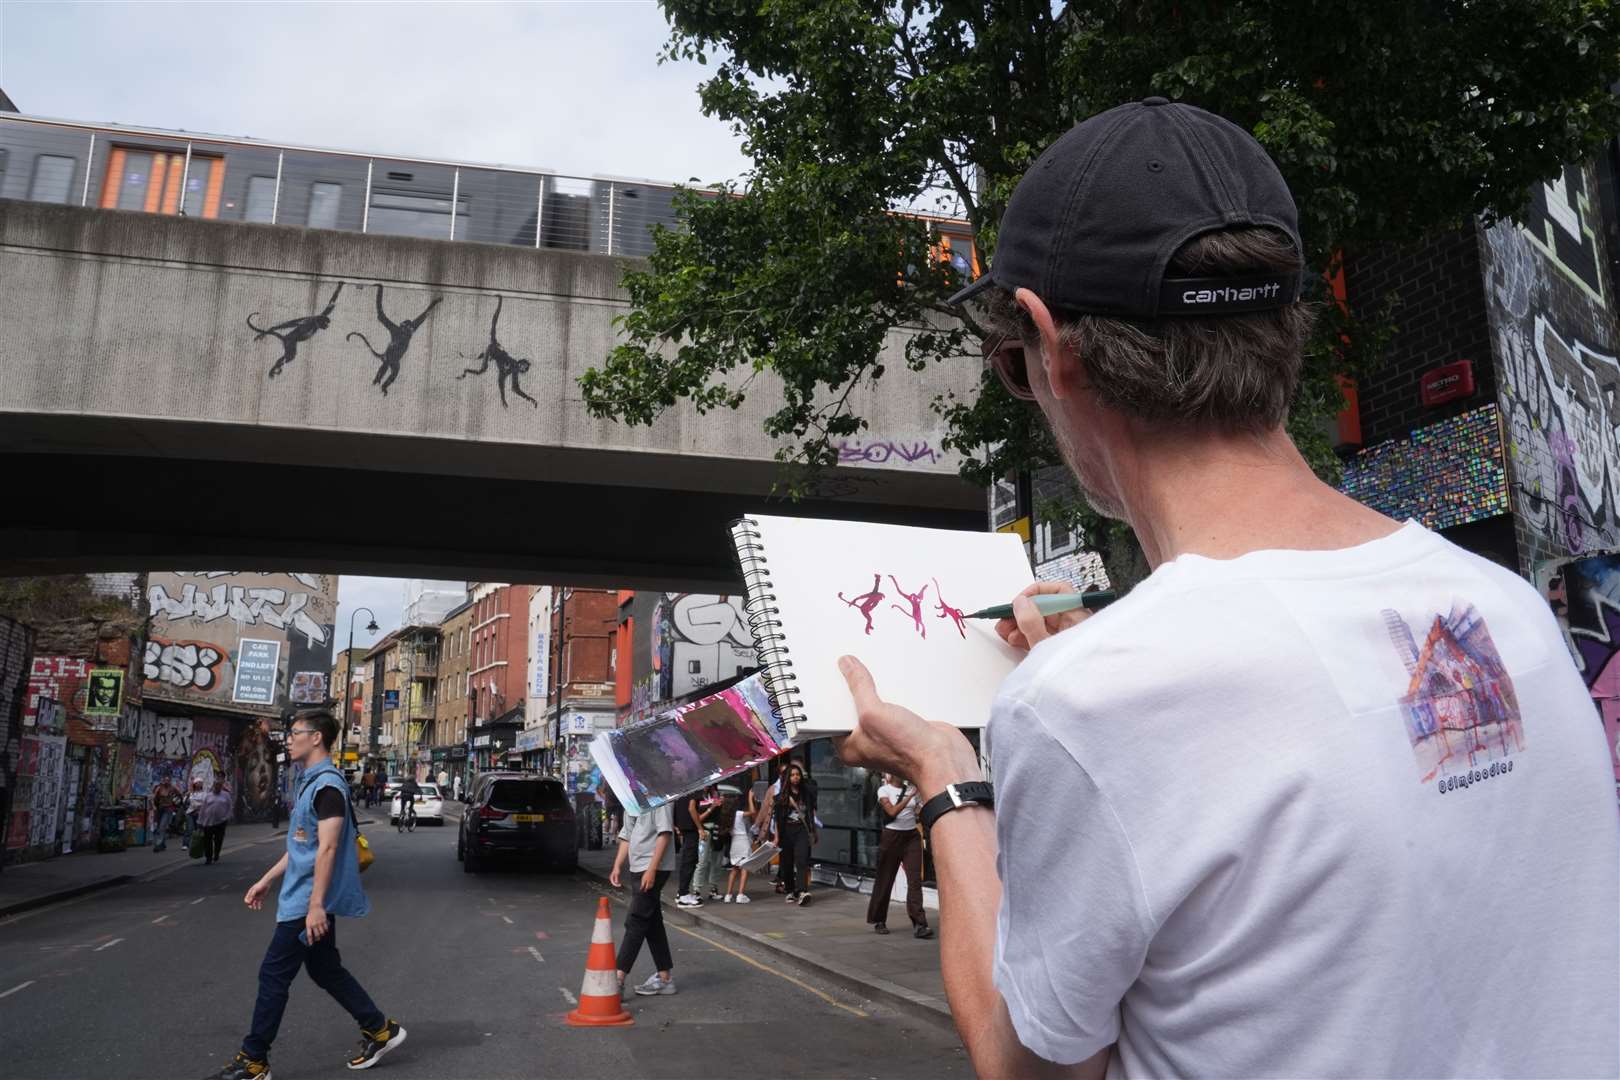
[{"x": 1390, "y": 119}]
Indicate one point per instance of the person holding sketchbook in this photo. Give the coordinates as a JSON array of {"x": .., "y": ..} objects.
[{"x": 1325, "y": 794}]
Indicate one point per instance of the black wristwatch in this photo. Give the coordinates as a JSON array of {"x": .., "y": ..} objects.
[{"x": 954, "y": 797}]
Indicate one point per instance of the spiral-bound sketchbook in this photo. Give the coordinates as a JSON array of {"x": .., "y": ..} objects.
[{"x": 892, "y": 595}]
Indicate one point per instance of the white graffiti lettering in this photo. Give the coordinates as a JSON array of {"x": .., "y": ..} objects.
[
  {"x": 185, "y": 664},
  {"x": 243, "y": 605},
  {"x": 164, "y": 736},
  {"x": 312, "y": 581},
  {"x": 1557, "y": 396}
]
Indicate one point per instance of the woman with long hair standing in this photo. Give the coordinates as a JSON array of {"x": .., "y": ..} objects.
[{"x": 796, "y": 832}]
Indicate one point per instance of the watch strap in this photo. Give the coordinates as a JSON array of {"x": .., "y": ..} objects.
[{"x": 954, "y": 797}]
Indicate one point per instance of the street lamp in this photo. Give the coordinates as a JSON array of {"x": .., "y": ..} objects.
[{"x": 348, "y": 676}]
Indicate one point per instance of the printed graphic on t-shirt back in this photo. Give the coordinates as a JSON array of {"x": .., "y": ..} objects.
[{"x": 1461, "y": 712}]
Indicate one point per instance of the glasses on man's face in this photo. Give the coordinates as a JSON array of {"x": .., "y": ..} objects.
[
  {"x": 1005, "y": 354},
  {"x": 300, "y": 731}
]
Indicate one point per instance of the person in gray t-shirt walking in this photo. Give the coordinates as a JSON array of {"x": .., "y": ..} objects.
[{"x": 646, "y": 844}]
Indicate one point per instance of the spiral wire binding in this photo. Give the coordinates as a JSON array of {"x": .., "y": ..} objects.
[{"x": 764, "y": 620}]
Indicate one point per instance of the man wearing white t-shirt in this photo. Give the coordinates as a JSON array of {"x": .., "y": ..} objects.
[
  {"x": 1324, "y": 795},
  {"x": 899, "y": 847}
]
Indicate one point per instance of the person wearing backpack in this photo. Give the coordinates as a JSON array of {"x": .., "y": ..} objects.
[{"x": 320, "y": 879}]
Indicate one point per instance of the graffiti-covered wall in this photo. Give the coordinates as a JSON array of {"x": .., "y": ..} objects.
[
  {"x": 201, "y": 618},
  {"x": 698, "y": 639},
  {"x": 1585, "y": 595},
  {"x": 1551, "y": 307}
]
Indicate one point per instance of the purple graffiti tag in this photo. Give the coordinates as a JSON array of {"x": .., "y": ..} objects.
[
  {"x": 947, "y": 612},
  {"x": 916, "y": 611},
  {"x": 865, "y": 602},
  {"x": 880, "y": 452}
]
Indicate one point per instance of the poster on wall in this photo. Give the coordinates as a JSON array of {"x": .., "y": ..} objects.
[
  {"x": 45, "y": 809},
  {"x": 106, "y": 696},
  {"x": 256, "y": 663},
  {"x": 308, "y": 688}
]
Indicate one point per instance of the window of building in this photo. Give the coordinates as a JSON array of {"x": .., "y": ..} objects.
[
  {"x": 323, "y": 205},
  {"x": 53, "y": 178},
  {"x": 261, "y": 199}
]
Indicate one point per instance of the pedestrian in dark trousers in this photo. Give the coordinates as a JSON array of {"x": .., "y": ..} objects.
[
  {"x": 212, "y": 816},
  {"x": 899, "y": 846},
  {"x": 796, "y": 833},
  {"x": 165, "y": 801},
  {"x": 645, "y": 845},
  {"x": 686, "y": 846},
  {"x": 320, "y": 875}
]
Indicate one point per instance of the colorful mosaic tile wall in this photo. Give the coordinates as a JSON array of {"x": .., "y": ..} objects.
[{"x": 1446, "y": 474}]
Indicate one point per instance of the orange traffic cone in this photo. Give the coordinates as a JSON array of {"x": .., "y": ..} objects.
[{"x": 599, "y": 1004}]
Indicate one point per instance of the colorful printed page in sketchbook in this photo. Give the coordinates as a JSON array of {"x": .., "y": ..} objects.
[
  {"x": 892, "y": 595},
  {"x": 684, "y": 749}
]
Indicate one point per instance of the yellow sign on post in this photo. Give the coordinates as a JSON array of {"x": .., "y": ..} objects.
[{"x": 1020, "y": 526}]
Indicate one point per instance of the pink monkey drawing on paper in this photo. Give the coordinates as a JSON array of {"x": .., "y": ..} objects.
[
  {"x": 866, "y": 601},
  {"x": 916, "y": 611},
  {"x": 948, "y": 612}
]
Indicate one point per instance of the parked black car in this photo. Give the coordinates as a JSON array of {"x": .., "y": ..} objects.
[{"x": 517, "y": 816}]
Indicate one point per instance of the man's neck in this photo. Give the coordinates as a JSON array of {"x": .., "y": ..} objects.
[
  {"x": 1224, "y": 496},
  {"x": 316, "y": 757}
]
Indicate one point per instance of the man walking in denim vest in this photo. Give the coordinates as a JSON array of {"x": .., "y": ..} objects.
[{"x": 322, "y": 880}]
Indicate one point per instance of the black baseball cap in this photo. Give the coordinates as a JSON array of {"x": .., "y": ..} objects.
[{"x": 1092, "y": 225}]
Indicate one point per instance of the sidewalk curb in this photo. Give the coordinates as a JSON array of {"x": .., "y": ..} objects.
[
  {"x": 915, "y": 1003},
  {"x": 73, "y": 892},
  {"x": 46, "y": 899}
]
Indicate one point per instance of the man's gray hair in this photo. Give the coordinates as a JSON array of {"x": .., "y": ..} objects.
[{"x": 1227, "y": 373}]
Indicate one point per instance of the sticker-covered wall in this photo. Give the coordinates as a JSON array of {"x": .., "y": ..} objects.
[{"x": 1551, "y": 306}]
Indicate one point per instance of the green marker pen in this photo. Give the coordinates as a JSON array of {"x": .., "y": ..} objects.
[{"x": 1051, "y": 604}]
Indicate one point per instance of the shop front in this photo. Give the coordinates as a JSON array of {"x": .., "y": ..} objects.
[{"x": 531, "y": 748}]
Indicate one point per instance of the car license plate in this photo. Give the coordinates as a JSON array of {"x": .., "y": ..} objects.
[{"x": 528, "y": 818}]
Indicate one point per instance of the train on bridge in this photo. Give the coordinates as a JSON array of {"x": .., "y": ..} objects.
[{"x": 157, "y": 171}]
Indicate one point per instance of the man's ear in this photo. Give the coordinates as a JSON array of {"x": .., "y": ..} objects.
[{"x": 1058, "y": 365}]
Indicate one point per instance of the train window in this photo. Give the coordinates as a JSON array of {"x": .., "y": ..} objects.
[
  {"x": 53, "y": 178},
  {"x": 261, "y": 199},
  {"x": 323, "y": 205},
  {"x": 137, "y": 176},
  {"x": 402, "y": 214},
  {"x": 197, "y": 177}
]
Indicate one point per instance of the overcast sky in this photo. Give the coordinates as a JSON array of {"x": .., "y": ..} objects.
[{"x": 574, "y": 87}]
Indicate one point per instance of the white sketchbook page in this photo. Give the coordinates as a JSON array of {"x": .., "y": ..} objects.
[{"x": 950, "y": 675}]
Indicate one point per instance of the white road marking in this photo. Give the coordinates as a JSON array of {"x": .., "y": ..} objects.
[
  {"x": 534, "y": 952},
  {"x": 508, "y": 920},
  {"x": 199, "y": 900},
  {"x": 26, "y": 985},
  {"x": 159, "y": 920},
  {"x": 566, "y": 993},
  {"x": 108, "y": 945}
]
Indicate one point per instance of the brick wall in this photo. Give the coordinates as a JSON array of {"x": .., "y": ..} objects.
[{"x": 1438, "y": 305}]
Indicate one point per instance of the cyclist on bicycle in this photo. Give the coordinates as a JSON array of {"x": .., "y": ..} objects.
[{"x": 408, "y": 791}]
